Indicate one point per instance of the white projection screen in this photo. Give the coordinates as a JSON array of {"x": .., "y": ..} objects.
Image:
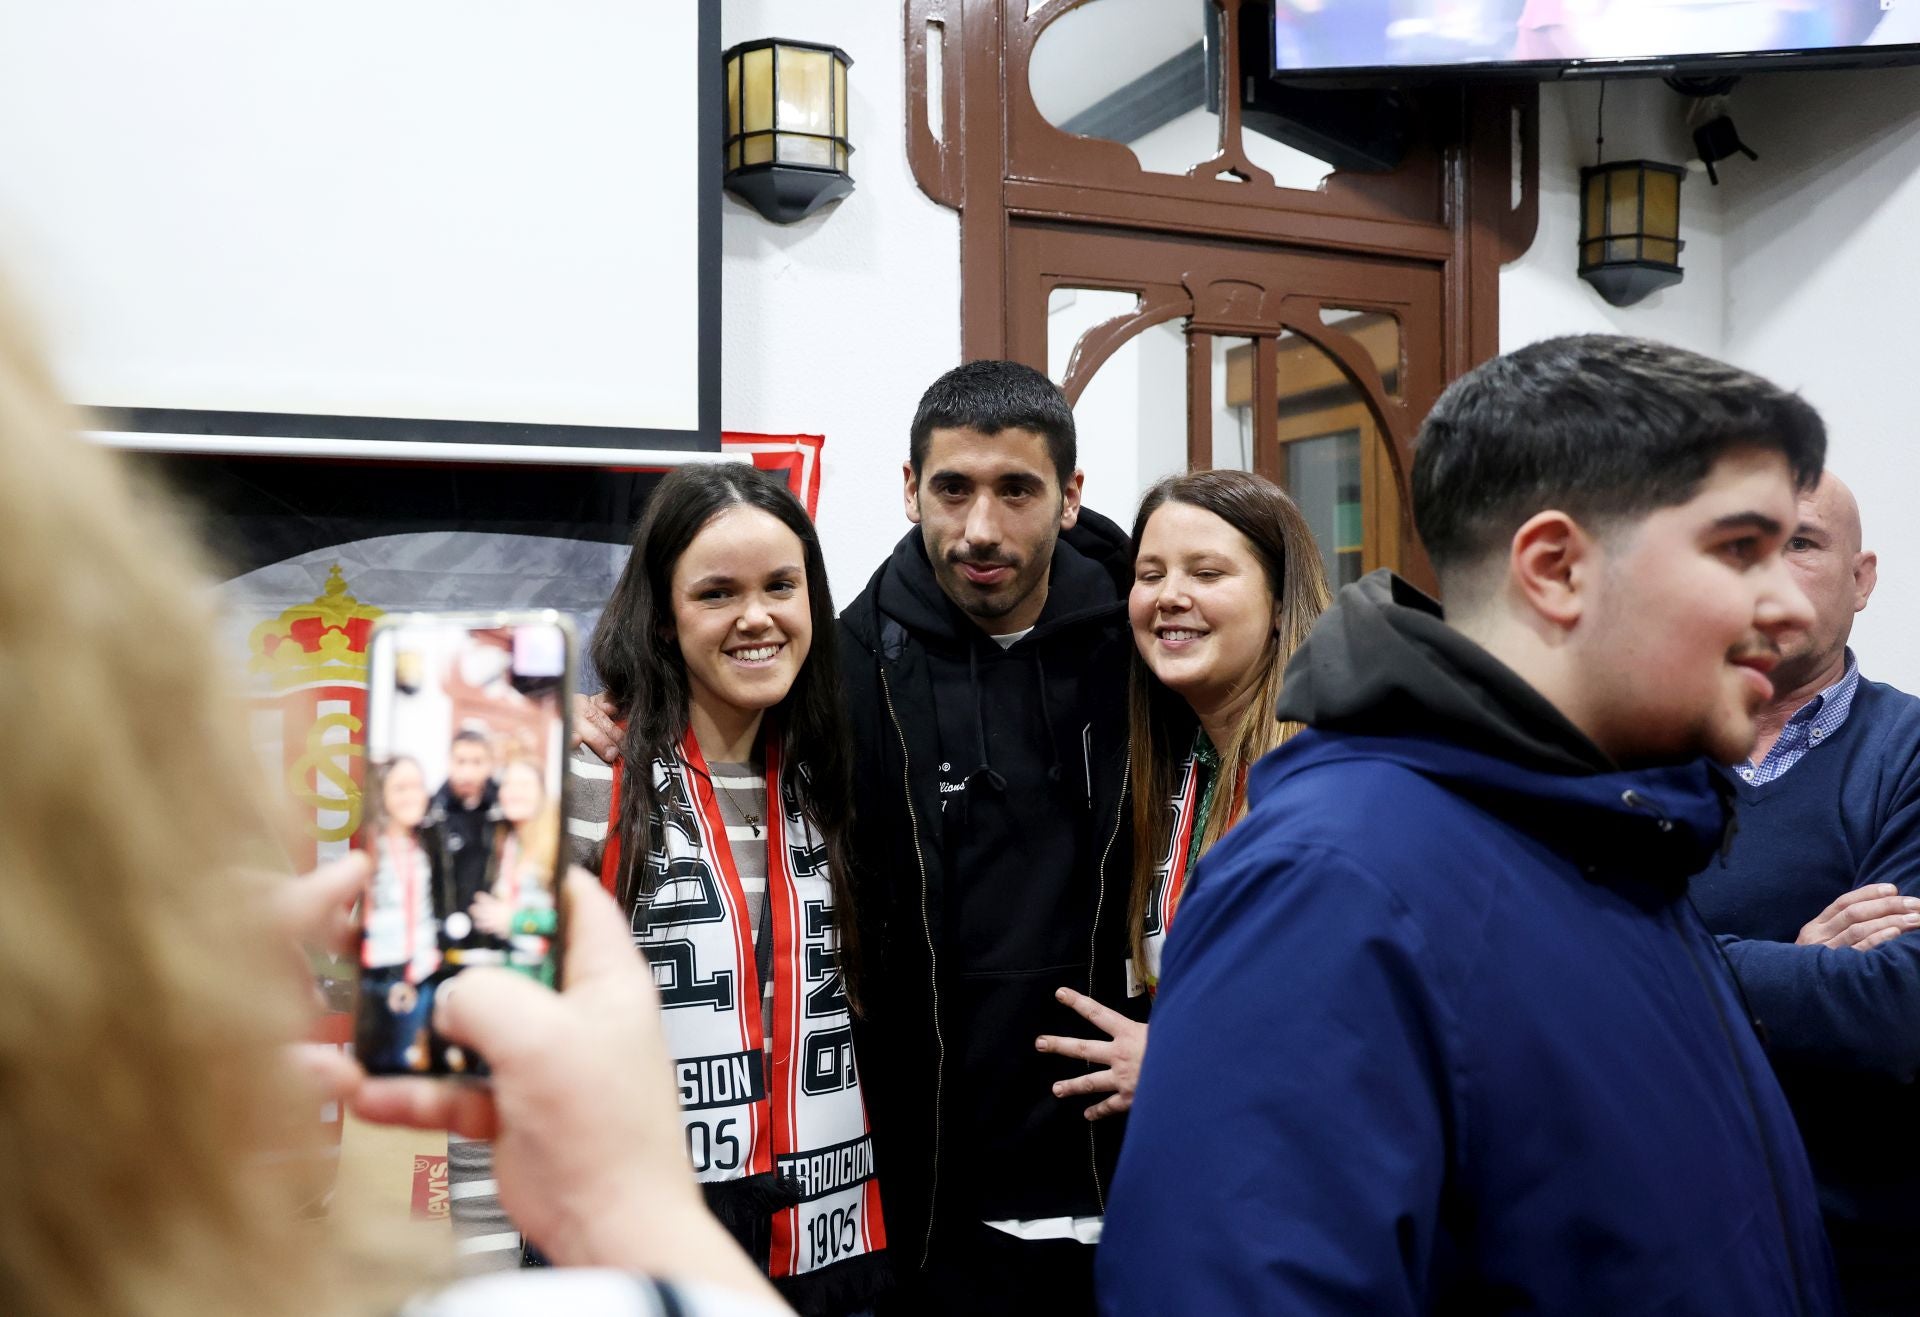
[{"x": 367, "y": 222}]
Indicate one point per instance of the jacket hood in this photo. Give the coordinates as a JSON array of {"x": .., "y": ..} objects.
[
  {"x": 1382, "y": 669},
  {"x": 1382, "y": 661},
  {"x": 1093, "y": 561},
  {"x": 1654, "y": 825}
]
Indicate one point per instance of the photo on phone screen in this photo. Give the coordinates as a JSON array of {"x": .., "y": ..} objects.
[{"x": 461, "y": 817}]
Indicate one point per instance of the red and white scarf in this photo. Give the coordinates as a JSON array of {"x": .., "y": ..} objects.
[
  {"x": 401, "y": 928},
  {"x": 1170, "y": 873},
  {"x": 812, "y": 1125}
]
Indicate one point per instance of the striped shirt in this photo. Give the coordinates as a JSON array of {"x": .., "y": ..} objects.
[{"x": 741, "y": 792}]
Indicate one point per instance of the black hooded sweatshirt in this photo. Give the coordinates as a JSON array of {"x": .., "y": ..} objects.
[
  {"x": 992, "y": 858},
  {"x": 467, "y": 837}
]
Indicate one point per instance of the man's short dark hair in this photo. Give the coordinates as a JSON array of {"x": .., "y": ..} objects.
[
  {"x": 1601, "y": 427},
  {"x": 476, "y": 738},
  {"x": 991, "y": 396}
]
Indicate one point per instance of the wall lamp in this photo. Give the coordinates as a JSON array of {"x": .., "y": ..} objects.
[
  {"x": 787, "y": 144},
  {"x": 1630, "y": 228}
]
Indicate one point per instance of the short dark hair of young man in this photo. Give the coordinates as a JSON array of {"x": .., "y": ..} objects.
[
  {"x": 1438, "y": 1027},
  {"x": 985, "y": 665},
  {"x": 991, "y": 479},
  {"x": 461, "y": 822}
]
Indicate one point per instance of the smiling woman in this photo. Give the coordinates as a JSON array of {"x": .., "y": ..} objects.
[
  {"x": 1227, "y": 582},
  {"x": 723, "y": 822},
  {"x": 740, "y": 615}
]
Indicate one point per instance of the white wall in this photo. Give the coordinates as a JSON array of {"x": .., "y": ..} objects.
[
  {"x": 837, "y": 324},
  {"x": 1800, "y": 266},
  {"x": 1821, "y": 277},
  {"x": 1542, "y": 295}
]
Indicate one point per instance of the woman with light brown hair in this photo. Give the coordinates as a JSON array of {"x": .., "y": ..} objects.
[
  {"x": 516, "y": 906},
  {"x": 149, "y": 990},
  {"x": 1227, "y": 581}
]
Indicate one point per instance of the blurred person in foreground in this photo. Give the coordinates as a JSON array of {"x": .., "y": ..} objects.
[
  {"x": 149, "y": 1091},
  {"x": 1439, "y": 1031}
]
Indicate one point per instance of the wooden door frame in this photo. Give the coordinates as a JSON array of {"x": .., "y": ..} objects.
[{"x": 1450, "y": 208}]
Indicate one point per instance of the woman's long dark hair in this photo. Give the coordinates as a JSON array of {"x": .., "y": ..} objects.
[
  {"x": 373, "y": 795},
  {"x": 646, "y": 678}
]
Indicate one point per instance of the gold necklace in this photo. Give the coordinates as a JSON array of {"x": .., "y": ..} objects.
[{"x": 752, "y": 817}]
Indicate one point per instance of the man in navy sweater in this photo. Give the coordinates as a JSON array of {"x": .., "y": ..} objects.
[
  {"x": 1438, "y": 1031},
  {"x": 1829, "y": 816}
]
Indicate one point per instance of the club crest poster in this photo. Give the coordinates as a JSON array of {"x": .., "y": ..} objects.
[{"x": 316, "y": 551}]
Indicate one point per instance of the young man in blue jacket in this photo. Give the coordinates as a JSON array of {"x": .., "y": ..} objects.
[
  {"x": 1829, "y": 816},
  {"x": 1438, "y": 1030}
]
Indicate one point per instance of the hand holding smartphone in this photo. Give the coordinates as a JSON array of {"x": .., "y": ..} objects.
[{"x": 466, "y": 741}]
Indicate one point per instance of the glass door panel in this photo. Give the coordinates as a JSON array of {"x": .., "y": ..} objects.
[
  {"x": 1323, "y": 475},
  {"x": 1332, "y": 450}
]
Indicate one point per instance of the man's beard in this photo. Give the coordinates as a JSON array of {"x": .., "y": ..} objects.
[{"x": 987, "y": 603}]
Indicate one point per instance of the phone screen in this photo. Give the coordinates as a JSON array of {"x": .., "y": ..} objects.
[{"x": 466, "y": 743}]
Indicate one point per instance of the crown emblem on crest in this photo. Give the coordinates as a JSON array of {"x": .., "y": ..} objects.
[{"x": 324, "y": 640}]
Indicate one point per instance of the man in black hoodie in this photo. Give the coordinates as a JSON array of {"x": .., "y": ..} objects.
[
  {"x": 986, "y": 673},
  {"x": 462, "y": 819}
]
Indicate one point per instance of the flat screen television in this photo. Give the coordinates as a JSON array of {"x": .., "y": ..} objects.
[{"x": 1366, "y": 39}]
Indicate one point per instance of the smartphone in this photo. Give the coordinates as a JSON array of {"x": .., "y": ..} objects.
[{"x": 461, "y": 815}]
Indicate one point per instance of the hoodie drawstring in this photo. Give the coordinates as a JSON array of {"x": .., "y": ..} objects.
[
  {"x": 986, "y": 771},
  {"x": 1046, "y": 718}
]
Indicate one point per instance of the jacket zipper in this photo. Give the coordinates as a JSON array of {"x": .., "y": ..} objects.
[
  {"x": 1093, "y": 951},
  {"x": 1753, "y": 1109},
  {"x": 933, "y": 977},
  {"x": 1634, "y": 800}
]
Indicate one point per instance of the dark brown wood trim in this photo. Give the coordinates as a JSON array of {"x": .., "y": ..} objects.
[
  {"x": 1199, "y": 401},
  {"x": 1266, "y": 408},
  {"x": 1229, "y": 217},
  {"x": 935, "y": 160}
]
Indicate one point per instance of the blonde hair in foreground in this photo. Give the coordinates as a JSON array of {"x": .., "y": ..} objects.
[
  {"x": 1161, "y": 726},
  {"x": 141, "y": 995}
]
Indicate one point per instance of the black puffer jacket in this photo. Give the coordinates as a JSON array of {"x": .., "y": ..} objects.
[{"x": 992, "y": 855}]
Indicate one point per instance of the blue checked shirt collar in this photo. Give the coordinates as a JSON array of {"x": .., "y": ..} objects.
[{"x": 1816, "y": 720}]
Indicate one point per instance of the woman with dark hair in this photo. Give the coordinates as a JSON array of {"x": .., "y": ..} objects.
[
  {"x": 724, "y": 817},
  {"x": 405, "y": 904},
  {"x": 1227, "y": 581}
]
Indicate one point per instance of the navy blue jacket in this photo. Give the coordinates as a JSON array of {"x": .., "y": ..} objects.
[
  {"x": 1843, "y": 1026},
  {"x": 1439, "y": 1032},
  {"x": 1846, "y": 815}
]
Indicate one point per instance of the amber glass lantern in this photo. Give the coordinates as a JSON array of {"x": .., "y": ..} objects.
[
  {"x": 1630, "y": 228},
  {"x": 787, "y": 144}
]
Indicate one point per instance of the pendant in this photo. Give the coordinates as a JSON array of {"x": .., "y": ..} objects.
[{"x": 753, "y": 821}]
